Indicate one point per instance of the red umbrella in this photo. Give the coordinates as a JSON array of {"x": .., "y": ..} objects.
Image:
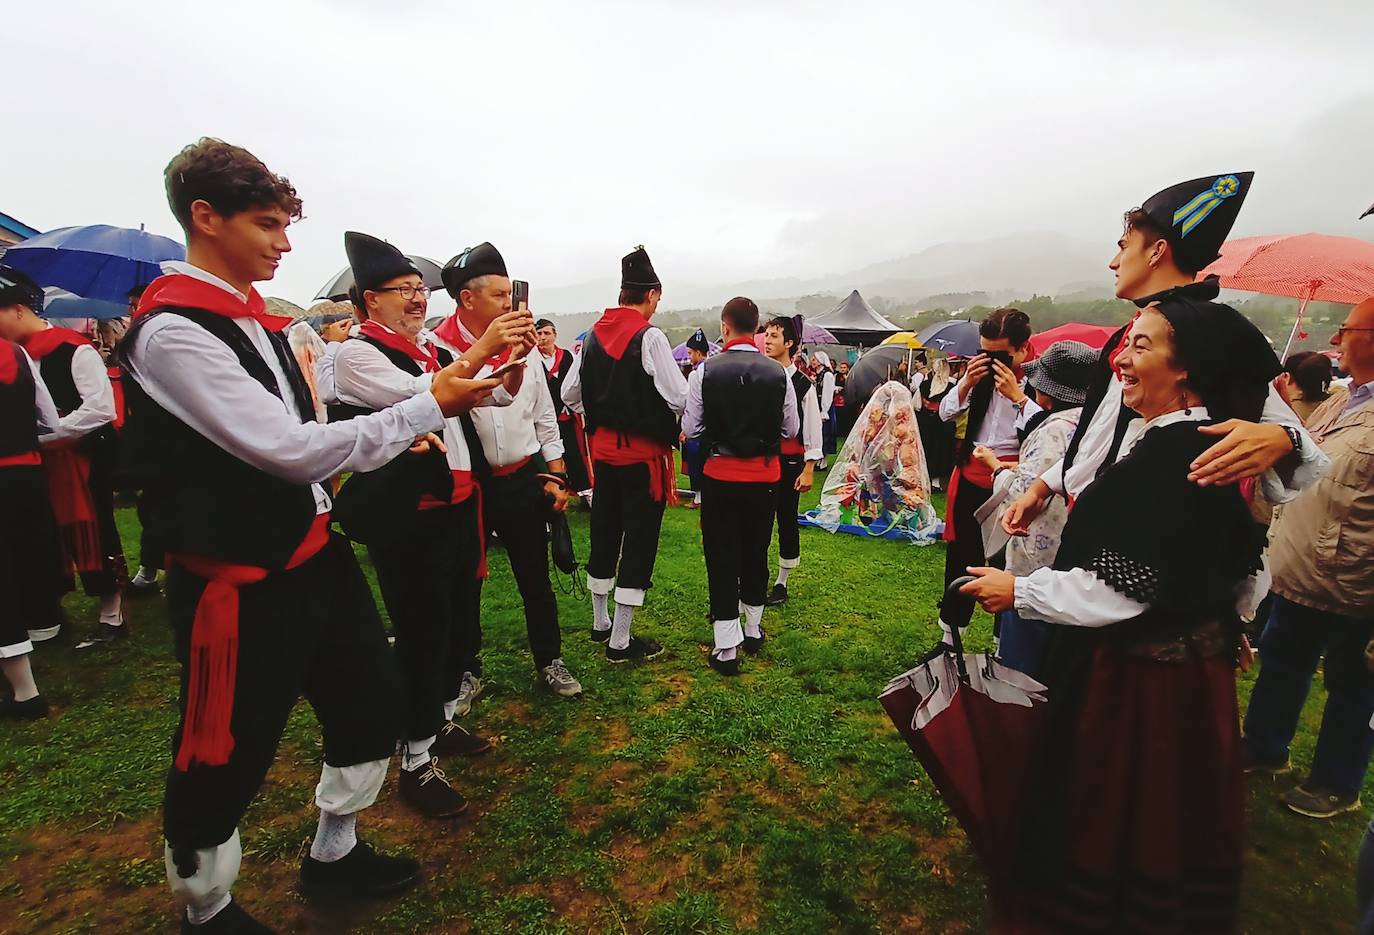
[
  {"x": 975, "y": 726},
  {"x": 1300, "y": 266},
  {"x": 1095, "y": 336}
]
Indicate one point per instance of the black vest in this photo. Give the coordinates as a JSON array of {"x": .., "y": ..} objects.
[
  {"x": 800, "y": 384},
  {"x": 198, "y": 498},
  {"x": 742, "y": 396},
  {"x": 619, "y": 395},
  {"x": 56, "y": 370},
  {"x": 342, "y": 412},
  {"x": 556, "y": 379},
  {"x": 18, "y": 415}
]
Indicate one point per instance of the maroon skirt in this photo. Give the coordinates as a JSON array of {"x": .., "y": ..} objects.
[{"x": 1154, "y": 819}]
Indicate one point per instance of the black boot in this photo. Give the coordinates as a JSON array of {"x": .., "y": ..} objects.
[
  {"x": 231, "y": 920},
  {"x": 361, "y": 872},
  {"x": 426, "y": 790}
]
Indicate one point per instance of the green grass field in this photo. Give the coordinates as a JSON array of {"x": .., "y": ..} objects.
[{"x": 666, "y": 800}]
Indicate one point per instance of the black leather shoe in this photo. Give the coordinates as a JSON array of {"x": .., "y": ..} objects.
[
  {"x": 724, "y": 666},
  {"x": 455, "y": 741},
  {"x": 361, "y": 872},
  {"x": 601, "y": 636},
  {"x": 753, "y": 644},
  {"x": 777, "y": 596},
  {"x": 231, "y": 920},
  {"x": 639, "y": 648},
  {"x": 104, "y": 635},
  {"x": 31, "y": 710},
  {"x": 426, "y": 790}
]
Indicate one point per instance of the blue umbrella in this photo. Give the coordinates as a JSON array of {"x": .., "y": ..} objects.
[
  {"x": 59, "y": 303},
  {"x": 95, "y": 262},
  {"x": 958, "y": 338}
]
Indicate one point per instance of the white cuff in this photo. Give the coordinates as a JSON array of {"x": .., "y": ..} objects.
[
  {"x": 729, "y": 633},
  {"x": 600, "y": 585},
  {"x": 216, "y": 870},
  {"x": 343, "y": 790},
  {"x": 630, "y": 597},
  {"x": 789, "y": 562},
  {"x": 553, "y": 451},
  {"x": 22, "y": 648}
]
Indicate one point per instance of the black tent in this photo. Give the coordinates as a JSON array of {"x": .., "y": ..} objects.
[{"x": 853, "y": 321}]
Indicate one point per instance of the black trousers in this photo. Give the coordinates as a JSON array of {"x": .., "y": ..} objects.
[
  {"x": 150, "y": 550},
  {"x": 430, "y": 585},
  {"x": 736, "y": 526},
  {"x": 626, "y": 521},
  {"x": 574, "y": 442},
  {"x": 29, "y": 555},
  {"x": 313, "y": 630},
  {"x": 788, "y": 503},
  {"x": 112, "y": 574},
  {"x": 965, "y": 550},
  {"x": 516, "y": 509}
]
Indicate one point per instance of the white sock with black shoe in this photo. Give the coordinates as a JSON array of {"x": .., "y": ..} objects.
[
  {"x": 449, "y": 708},
  {"x": 601, "y": 612},
  {"x": 18, "y": 672},
  {"x": 753, "y": 617},
  {"x": 783, "y": 572},
  {"x": 145, "y": 577},
  {"x": 110, "y": 610},
  {"x": 415, "y": 754},
  {"x": 620, "y": 626},
  {"x": 335, "y": 837},
  {"x": 209, "y": 872}
]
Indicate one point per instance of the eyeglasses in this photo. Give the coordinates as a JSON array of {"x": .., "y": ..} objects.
[
  {"x": 407, "y": 291},
  {"x": 1344, "y": 330}
]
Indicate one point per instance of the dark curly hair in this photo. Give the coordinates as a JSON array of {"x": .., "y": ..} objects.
[{"x": 229, "y": 178}]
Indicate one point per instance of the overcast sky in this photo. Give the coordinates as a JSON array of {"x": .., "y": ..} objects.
[{"x": 736, "y": 139}]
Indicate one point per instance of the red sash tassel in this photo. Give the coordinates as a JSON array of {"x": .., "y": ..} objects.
[{"x": 69, "y": 488}]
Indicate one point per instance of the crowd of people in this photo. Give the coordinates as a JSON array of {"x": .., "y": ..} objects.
[{"x": 1130, "y": 482}]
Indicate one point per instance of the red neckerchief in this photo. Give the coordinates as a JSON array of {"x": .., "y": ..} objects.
[
  {"x": 42, "y": 343},
  {"x": 736, "y": 342},
  {"x": 179, "y": 290},
  {"x": 615, "y": 329},
  {"x": 559, "y": 355},
  {"x": 388, "y": 338},
  {"x": 450, "y": 331},
  {"x": 1116, "y": 351}
]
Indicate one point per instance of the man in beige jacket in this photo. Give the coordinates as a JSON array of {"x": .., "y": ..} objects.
[{"x": 1322, "y": 558}]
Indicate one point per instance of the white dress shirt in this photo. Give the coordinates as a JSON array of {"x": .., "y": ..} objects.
[
  {"x": 810, "y": 420},
  {"x": 324, "y": 373},
  {"x": 1097, "y": 441},
  {"x": 1077, "y": 597},
  {"x": 1003, "y": 418},
  {"x": 44, "y": 408},
  {"x": 693, "y": 415},
  {"x": 827, "y": 391},
  {"x": 97, "y": 407},
  {"x": 197, "y": 378},
  {"x": 656, "y": 355},
  {"x": 520, "y": 426}
]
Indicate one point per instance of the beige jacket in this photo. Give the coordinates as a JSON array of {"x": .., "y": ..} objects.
[{"x": 1321, "y": 550}]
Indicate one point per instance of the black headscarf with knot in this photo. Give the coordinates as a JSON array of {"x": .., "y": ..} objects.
[{"x": 1229, "y": 361}]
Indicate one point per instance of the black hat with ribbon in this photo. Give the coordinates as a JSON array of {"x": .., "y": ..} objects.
[
  {"x": 472, "y": 263},
  {"x": 1197, "y": 215},
  {"x": 698, "y": 342},
  {"x": 374, "y": 261},
  {"x": 637, "y": 271}
]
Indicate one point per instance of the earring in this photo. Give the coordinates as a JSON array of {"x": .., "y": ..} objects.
[{"x": 1187, "y": 409}]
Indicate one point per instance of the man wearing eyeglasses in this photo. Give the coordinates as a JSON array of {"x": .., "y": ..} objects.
[
  {"x": 418, "y": 514},
  {"x": 1321, "y": 552}
]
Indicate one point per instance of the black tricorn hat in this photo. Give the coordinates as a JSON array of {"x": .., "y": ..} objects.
[
  {"x": 1197, "y": 215},
  {"x": 637, "y": 271},
  {"x": 481, "y": 260},
  {"x": 698, "y": 342},
  {"x": 374, "y": 261},
  {"x": 1367, "y": 213}
]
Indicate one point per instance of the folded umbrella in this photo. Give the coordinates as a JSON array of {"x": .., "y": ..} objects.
[
  {"x": 975, "y": 726},
  {"x": 95, "y": 262}
]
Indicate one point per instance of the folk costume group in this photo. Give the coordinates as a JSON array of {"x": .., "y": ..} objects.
[{"x": 448, "y": 437}]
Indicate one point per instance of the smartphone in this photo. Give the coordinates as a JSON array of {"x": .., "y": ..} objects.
[
  {"x": 505, "y": 368},
  {"x": 1003, "y": 356},
  {"x": 519, "y": 294}
]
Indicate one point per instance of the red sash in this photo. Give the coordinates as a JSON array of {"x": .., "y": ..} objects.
[
  {"x": 213, "y": 665},
  {"x": 621, "y": 449},
  {"x": 975, "y": 473}
]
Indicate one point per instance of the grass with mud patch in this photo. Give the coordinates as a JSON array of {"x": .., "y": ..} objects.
[{"x": 667, "y": 800}]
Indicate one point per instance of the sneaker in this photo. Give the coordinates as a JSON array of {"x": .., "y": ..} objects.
[
  {"x": 231, "y": 920},
  {"x": 723, "y": 666},
  {"x": 1252, "y": 764},
  {"x": 559, "y": 680},
  {"x": 360, "y": 872},
  {"x": 31, "y": 710},
  {"x": 639, "y": 648},
  {"x": 601, "y": 636},
  {"x": 427, "y": 791},
  {"x": 1319, "y": 803},
  {"x": 753, "y": 645},
  {"x": 43, "y": 634},
  {"x": 777, "y": 596},
  {"x": 469, "y": 691},
  {"x": 104, "y": 635},
  {"x": 454, "y": 740}
]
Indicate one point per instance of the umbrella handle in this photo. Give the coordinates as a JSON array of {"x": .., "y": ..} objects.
[{"x": 953, "y": 591}]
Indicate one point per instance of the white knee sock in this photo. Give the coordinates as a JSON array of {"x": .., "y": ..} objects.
[
  {"x": 620, "y": 627},
  {"x": 783, "y": 572},
  {"x": 211, "y": 871},
  {"x": 109, "y": 610},
  {"x": 449, "y": 708},
  {"x": 335, "y": 837},
  {"x": 725, "y": 655},
  {"x": 415, "y": 754},
  {"x": 19, "y": 673},
  {"x": 753, "y": 616},
  {"x": 601, "y": 612}
]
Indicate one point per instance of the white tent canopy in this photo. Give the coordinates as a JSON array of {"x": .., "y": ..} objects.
[{"x": 854, "y": 321}]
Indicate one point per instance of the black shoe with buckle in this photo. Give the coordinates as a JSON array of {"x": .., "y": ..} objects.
[
  {"x": 754, "y": 644},
  {"x": 426, "y": 790},
  {"x": 455, "y": 741},
  {"x": 723, "y": 666},
  {"x": 360, "y": 872},
  {"x": 638, "y": 648},
  {"x": 31, "y": 710},
  {"x": 104, "y": 635},
  {"x": 231, "y": 920},
  {"x": 777, "y": 596}
]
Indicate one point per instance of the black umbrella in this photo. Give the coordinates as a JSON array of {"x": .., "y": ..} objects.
[
  {"x": 959, "y": 338},
  {"x": 872, "y": 370},
  {"x": 336, "y": 290},
  {"x": 1369, "y": 212}
]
